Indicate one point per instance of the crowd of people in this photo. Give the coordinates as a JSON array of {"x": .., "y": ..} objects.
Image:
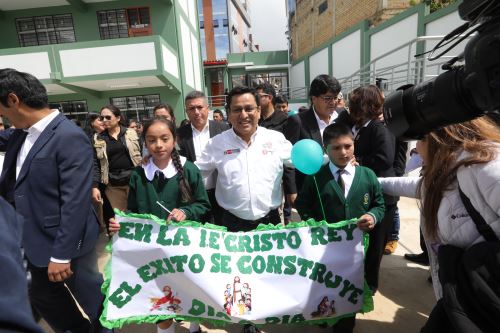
[{"x": 235, "y": 172}]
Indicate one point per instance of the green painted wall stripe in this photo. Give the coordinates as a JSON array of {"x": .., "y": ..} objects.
[{"x": 442, "y": 12}]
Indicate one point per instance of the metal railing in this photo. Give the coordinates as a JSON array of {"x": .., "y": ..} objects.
[
  {"x": 217, "y": 101},
  {"x": 412, "y": 71}
]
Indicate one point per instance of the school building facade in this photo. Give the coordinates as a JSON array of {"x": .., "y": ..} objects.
[{"x": 90, "y": 53}]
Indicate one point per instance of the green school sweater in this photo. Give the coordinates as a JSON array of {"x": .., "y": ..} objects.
[
  {"x": 144, "y": 194},
  {"x": 365, "y": 196}
]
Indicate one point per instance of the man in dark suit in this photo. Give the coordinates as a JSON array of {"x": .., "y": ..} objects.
[
  {"x": 192, "y": 139},
  {"x": 47, "y": 177},
  {"x": 276, "y": 120},
  {"x": 15, "y": 312},
  {"x": 310, "y": 124}
]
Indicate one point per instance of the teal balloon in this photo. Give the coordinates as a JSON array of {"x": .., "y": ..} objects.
[
  {"x": 307, "y": 156},
  {"x": 292, "y": 112}
]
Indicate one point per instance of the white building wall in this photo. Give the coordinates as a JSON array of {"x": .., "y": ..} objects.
[
  {"x": 392, "y": 37},
  {"x": 108, "y": 59},
  {"x": 170, "y": 62},
  {"x": 441, "y": 27},
  {"x": 189, "y": 69},
  {"x": 297, "y": 75},
  {"x": 37, "y": 64},
  {"x": 346, "y": 55},
  {"x": 318, "y": 64}
]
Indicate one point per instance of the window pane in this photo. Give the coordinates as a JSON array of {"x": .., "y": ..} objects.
[
  {"x": 144, "y": 15},
  {"x": 133, "y": 17},
  {"x": 44, "y": 30},
  {"x": 136, "y": 107}
]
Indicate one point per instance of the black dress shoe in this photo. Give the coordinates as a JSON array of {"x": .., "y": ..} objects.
[{"x": 420, "y": 258}]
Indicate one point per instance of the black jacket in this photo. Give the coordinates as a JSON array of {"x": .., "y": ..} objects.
[
  {"x": 375, "y": 148},
  {"x": 302, "y": 126},
  {"x": 185, "y": 138},
  {"x": 277, "y": 122}
]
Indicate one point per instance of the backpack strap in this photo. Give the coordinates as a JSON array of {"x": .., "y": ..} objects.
[{"x": 481, "y": 225}]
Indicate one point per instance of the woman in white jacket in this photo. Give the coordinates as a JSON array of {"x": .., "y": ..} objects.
[{"x": 467, "y": 154}]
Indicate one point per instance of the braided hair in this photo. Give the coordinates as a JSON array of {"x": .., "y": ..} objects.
[{"x": 185, "y": 189}]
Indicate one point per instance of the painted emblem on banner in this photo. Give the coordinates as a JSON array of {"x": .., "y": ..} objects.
[
  {"x": 238, "y": 298},
  {"x": 168, "y": 302},
  {"x": 325, "y": 308}
]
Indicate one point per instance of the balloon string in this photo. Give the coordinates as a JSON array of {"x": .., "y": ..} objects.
[{"x": 319, "y": 197}]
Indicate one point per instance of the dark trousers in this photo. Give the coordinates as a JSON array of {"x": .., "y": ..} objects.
[
  {"x": 345, "y": 325},
  {"x": 438, "y": 321},
  {"x": 422, "y": 244},
  {"x": 287, "y": 211},
  {"x": 378, "y": 239},
  {"x": 215, "y": 215},
  {"x": 57, "y": 301},
  {"x": 234, "y": 223}
]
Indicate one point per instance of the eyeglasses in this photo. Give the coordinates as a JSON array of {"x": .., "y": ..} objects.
[
  {"x": 247, "y": 109},
  {"x": 195, "y": 107},
  {"x": 329, "y": 99},
  {"x": 101, "y": 118}
]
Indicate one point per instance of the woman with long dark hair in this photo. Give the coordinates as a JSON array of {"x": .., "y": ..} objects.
[{"x": 117, "y": 152}]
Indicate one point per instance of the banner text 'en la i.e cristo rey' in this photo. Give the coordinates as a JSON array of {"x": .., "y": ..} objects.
[{"x": 304, "y": 272}]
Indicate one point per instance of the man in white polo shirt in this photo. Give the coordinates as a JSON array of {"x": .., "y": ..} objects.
[{"x": 249, "y": 161}]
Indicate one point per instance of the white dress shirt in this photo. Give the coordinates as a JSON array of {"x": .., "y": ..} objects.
[
  {"x": 355, "y": 130},
  {"x": 33, "y": 134},
  {"x": 249, "y": 176},
  {"x": 347, "y": 175},
  {"x": 2, "y": 157},
  {"x": 150, "y": 169},
  {"x": 323, "y": 124},
  {"x": 200, "y": 139}
]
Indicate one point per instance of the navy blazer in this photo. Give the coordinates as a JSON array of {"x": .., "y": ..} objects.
[
  {"x": 303, "y": 126},
  {"x": 15, "y": 312},
  {"x": 53, "y": 192},
  {"x": 185, "y": 137}
]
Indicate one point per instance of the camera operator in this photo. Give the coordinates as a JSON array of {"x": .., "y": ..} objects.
[{"x": 465, "y": 155}]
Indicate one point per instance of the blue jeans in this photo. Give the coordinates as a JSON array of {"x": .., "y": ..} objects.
[{"x": 394, "y": 232}]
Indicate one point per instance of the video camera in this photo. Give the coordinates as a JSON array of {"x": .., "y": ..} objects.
[{"x": 463, "y": 92}]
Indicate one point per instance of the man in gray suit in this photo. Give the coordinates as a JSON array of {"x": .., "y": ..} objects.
[{"x": 192, "y": 139}]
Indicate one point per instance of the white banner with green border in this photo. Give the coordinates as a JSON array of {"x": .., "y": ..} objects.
[{"x": 304, "y": 272}]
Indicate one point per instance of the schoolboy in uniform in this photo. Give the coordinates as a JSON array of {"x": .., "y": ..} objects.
[{"x": 347, "y": 192}]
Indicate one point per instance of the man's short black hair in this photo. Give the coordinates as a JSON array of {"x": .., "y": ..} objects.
[
  {"x": 280, "y": 99},
  {"x": 26, "y": 87},
  {"x": 240, "y": 90},
  {"x": 267, "y": 88},
  {"x": 195, "y": 94},
  {"x": 323, "y": 84},
  {"x": 335, "y": 131},
  {"x": 219, "y": 112}
]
